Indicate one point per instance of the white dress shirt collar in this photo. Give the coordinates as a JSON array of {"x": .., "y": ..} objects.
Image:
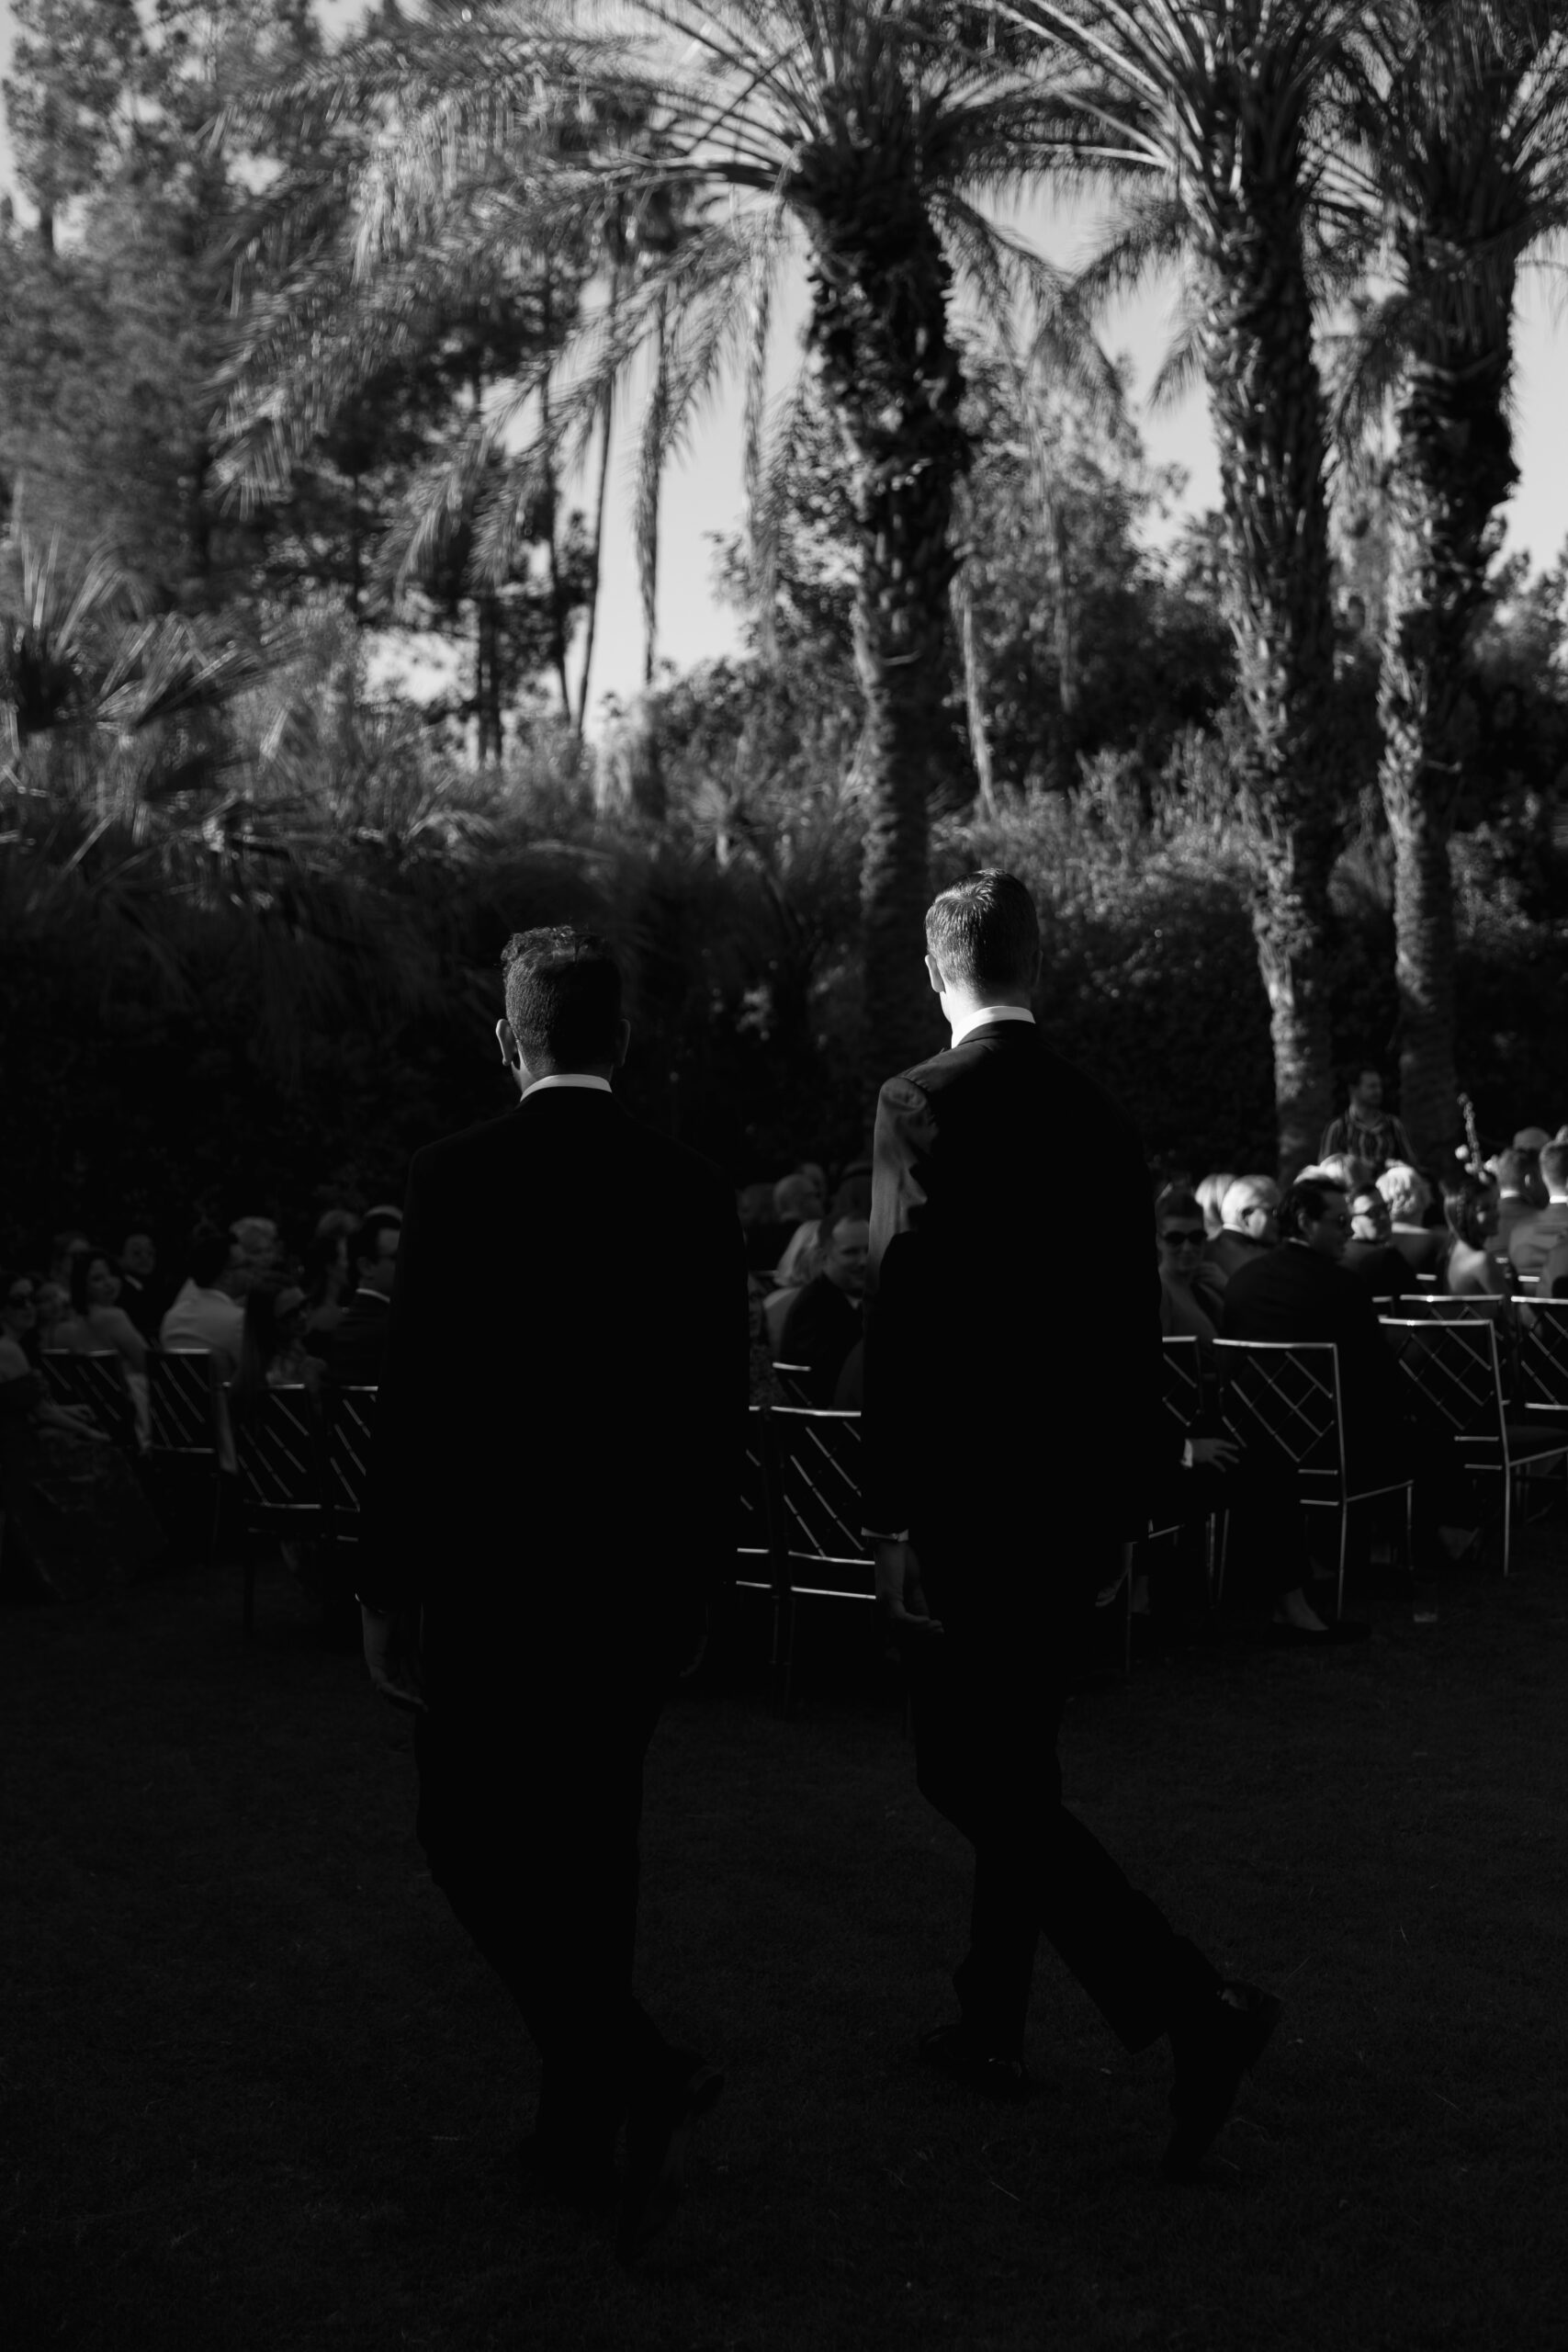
[
  {"x": 987, "y": 1013},
  {"x": 566, "y": 1078}
]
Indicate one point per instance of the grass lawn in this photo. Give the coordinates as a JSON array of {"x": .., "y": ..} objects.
[{"x": 258, "y": 2090}]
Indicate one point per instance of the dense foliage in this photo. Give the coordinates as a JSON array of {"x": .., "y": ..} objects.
[{"x": 252, "y": 900}]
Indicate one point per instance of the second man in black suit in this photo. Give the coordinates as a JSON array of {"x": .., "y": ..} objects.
[
  {"x": 550, "y": 1507},
  {"x": 1012, "y": 1403}
]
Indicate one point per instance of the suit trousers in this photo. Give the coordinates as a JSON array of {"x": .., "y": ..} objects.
[
  {"x": 987, "y": 1710},
  {"x": 532, "y": 1836}
]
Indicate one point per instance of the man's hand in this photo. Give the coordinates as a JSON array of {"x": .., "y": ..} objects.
[
  {"x": 1214, "y": 1452},
  {"x": 898, "y": 1588},
  {"x": 396, "y": 1678}
]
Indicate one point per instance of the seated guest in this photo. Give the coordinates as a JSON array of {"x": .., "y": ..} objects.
[
  {"x": 1248, "y": 1225},
  {"x": 355, "y": 1352},
  {"x": 1301, "y": 1293},
  {"x": 802, "y": 1198},
  {"x": 1534, "y": 1238},
  {"x": 1409, "y": 1196},
  {"x": 326, "y": 1278},
  {"x": 1468, "y": 1270},
  {"x": 53, "y": 1308},
  {"x": 273, "y": 1354},
  {"x": 1211, "y": 1196},
  {"x": 824, "y": 1323},
  {"x": 1190, "y": 1294},
  {"x": 62, "y": 1247},
  {"x": 1369, "y": 1254},
  {"x": 1553, "y": 1282},
  {"x": 74, "y": 1516},
  {"x": 256, "y": 1240},
  {"x": 207, "y": 1311},
  {"x": 141, "y": 1293},
  {"x": 1343, "y": 1167},
  {"x": 98, "y": 1325},
  {"x": 1514, "y": 1199}
]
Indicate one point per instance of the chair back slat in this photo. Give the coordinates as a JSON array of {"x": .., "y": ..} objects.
[
  {"x": 95, "y": 1379},
  {"x": 752, "y": 1536},
  {"x": 1284, "y": 1395},
  {"x": 1456, "y": 1373},
  {"x": 1183, "y": 1392},
  {"x": 818, "y": 1458},
  {"x": 180, "y": 1400},
  {"x": 349, "y": 1429},
  {"x": 277, "y": 1450},
  {"x": 1475, "y": 1306},
  {"x": 1542, "y": 1332}
]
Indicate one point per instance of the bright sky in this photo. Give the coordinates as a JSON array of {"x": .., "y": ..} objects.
[{"x": 704, "y": 499}]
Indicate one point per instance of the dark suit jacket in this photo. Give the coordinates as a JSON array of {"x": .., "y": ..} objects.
[
  {"x": 1380, "y": 1268},
  {"x": 1013, "y": 1378},
  {"x": 355, "y": 1350},
  {"x": 1554, "y": 1274},
  {"x": 822, "y": 1325},
  {"x": 550, "y": 1488},
  {"x": 1297, "y": 1293},
  {"x": 1533, "y": 1240}
]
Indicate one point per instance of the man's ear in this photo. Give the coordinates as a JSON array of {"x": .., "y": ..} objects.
[
  {"x": 511, "y": 1053},
  {"x": 623, "y": 1042},
  {"x": 934, "y": 973}
]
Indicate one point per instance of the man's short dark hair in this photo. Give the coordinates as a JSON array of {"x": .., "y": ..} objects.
[
  {"x": 1305, "y": 1203},
  {"x": 1554, "y": 1165},
  {"x": 985, "y": 932},
  {"x": 367, "y": 1241},
  {"x": 563, "y": 996},
  {"x": 208, "y": 1256}
]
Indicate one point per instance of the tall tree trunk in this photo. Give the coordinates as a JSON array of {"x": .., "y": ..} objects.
[
  {"x": 649, "y": 485},
  {"x": 879, "y": 330},
  {"x": 1453, "y": 470},
  {"x": 552, "y": 508},
  {"x": 1267, "y": 401},
  {"x": 601, "y": 499}
]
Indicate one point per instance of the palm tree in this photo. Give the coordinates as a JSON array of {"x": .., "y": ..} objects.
[
  {"x": 862, "y": 139},
  {"x": 1465, "y": 128},
  {"x": 1222, "y": 101}
]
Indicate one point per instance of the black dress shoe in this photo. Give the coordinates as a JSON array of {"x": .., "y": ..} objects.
[
  {"x": 1214, "y": 2042},
  {"x": 658, "y": 2126},
  {"x": 954, "y": 2050}
]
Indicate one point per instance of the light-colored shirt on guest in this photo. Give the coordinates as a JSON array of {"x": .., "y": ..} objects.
[{"x": 205, "y": 1318}]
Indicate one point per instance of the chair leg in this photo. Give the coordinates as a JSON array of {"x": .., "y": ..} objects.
[
  {"x": 1344, "y": 1547},
  {"x": 791, "y": 1606},
  {"x": 1507, "y": 1513},
  {"x": 212, "y": 1540}
]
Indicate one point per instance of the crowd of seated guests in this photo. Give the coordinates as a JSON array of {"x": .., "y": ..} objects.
[{"x": 262, "y": 1314}]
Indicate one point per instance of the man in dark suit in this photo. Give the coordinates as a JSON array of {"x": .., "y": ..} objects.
[
  {"x": 356, "y": 1349},
  {"x": 552, "y": 1510},
  {"x": 1302, "y": 1291},
  {"x": 1533, "y": 1240},
  {"x": 1011, "y": 1438}
]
